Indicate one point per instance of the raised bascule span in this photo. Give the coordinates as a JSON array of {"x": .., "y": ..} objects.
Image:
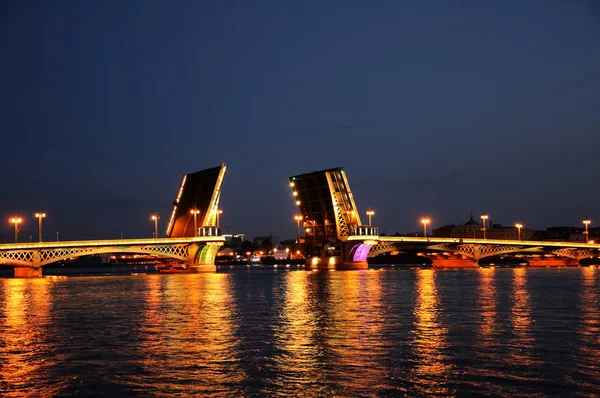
[
  {"x": 329, "y": 218},
  {"x": 199, "y": 191},
  {"x": 192, "y": 244},
  {"x": 335, "y": 238}
]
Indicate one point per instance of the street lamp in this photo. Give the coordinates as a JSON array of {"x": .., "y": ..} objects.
[
  {"x": 219, "y": 212},
  {"x": 519, "y": 226},
  {"x": 298, "y": 218},
  {"x": 195, "y": 212},
  {"x": 425, "y": 221},
  {"x": 16, "y": 221},
  {"x": 587, "y": 232},
  {"x": 352, "y": 215},
  {"x": 484, "y": 218},
  {"x": 40, "y": 216},
  {"x": 155, "y": 217},
  {"x": 370, "y": 213}
]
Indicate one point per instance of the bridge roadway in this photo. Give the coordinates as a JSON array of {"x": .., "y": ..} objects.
[
  {"x": 29, "y": 258},
  {"x": 472, "y": 250}
]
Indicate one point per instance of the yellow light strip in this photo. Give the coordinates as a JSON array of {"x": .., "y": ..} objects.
[
  {"x": 181, "y": 188},
  {"x": 110, "y": 242},
  {"x": 179, "y": 193},
  {"x": 213, "y": 205}
]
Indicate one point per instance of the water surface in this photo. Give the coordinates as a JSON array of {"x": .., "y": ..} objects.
[{"x": 295, "y": 333}]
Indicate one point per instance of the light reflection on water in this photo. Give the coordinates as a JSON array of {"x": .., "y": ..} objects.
[
  {"x": 589, "y": 332},
  {"x": 521, "y": 320},
  {"x": 25, "y": 344},
  {"x": 295, "y": 333},
  {"x": 432, "y": 366}
]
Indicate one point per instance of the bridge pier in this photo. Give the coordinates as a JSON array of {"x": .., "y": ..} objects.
[
  {"x": 27, "y": 272},
  {"x": 453, "y": 262},
  {"x": 333, "y": 263},
  {"x": 552, "y": 262},
  {"x": 203, "y": 268}
]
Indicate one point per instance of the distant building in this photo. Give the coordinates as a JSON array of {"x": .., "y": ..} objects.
[
  {"x": 444, "y": 231},
  {"x": 474, "y": 230},
  {"x": 226, "y": 252},
  {"x": 557, "y": 234},
  {"x": 571, "y": 234},
  {"x": 258, "y": 241},
  {"x": 234, "y": 240}
]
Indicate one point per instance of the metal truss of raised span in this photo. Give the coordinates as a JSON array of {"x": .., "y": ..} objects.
[
  {"x": 196, "y": 250},
  {"x": 477, "y": 249}
]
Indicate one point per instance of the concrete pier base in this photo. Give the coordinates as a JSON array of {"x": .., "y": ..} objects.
[
  {"x": 552, "y": 262},
  {"x": 454, "y": 263},
  {"x": 354, "y": 265},
  {"x": 332, "y": 263},
  {"x": 204, "y": 268},
  {"x": 26, "y": 272}
]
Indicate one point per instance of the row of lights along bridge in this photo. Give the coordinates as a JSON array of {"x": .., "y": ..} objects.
[
  {"x": 17, "y": 221},
  {"x": 195, "y": 212},
  {"x": 426, "y": 221}
]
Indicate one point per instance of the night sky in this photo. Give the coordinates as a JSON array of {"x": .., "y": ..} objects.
[{"x": 436, "y": 108}]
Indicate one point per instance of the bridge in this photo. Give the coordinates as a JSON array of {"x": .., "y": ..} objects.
[
  {"x": 29, "y": 258},
  {"x": 459, "y": 252},
  {"x": 334, "y": 236},
  {"x": 193, "y": 235}
]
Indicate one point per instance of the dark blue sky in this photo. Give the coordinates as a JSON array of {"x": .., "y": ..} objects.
[{"x": 436, "y": 107}]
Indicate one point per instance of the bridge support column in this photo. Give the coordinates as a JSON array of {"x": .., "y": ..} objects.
[
  {"x": 322, "y": 263},
  {"x": 203, "y": 268},
  {"x": 552, "y": 262},
  {"x": 354, "y": 257},
  {"x": 27, "y": 272},
  {"x": 454, "y": 262},
  {"x": 333, "y": 263},
  {"x": 201, "y": 258}
]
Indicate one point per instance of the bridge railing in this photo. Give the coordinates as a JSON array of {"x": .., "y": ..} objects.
[
  {"x": 209, "y": 231},
  {"x": 366, "y": 230}
]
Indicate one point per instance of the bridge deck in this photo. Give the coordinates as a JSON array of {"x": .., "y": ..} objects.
[
  {"x": 505, "y": 242},
  {"x": 109, "y": 242}
]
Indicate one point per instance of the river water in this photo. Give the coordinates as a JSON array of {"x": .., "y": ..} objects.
[{"x": 501, "y": 332}]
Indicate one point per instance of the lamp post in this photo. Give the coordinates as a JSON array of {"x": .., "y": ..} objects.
[
  {"x": 40, "y": 217},
  {"x": 425, "y": 221},
  {"x": 16, "y": 221},
  {"x": 195, "y": 213},
  {"x": 370, "y": 213},
  {"x": 155, "y": 218},
  {"x": 587, "y": 232},
  {"x": 484, "y": 218},
  {"x": 298, "y": 218},
  {"x": 519, "y": 226}
]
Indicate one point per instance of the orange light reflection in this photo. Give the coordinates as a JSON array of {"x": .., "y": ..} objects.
[
  {"x": 520, "y": 319},
  {"x": 433, "y": 364},
  {"x": 25, "y": 308},
  {"x": 191, "y": 334},
  {"x": 589, "y": 330}
]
